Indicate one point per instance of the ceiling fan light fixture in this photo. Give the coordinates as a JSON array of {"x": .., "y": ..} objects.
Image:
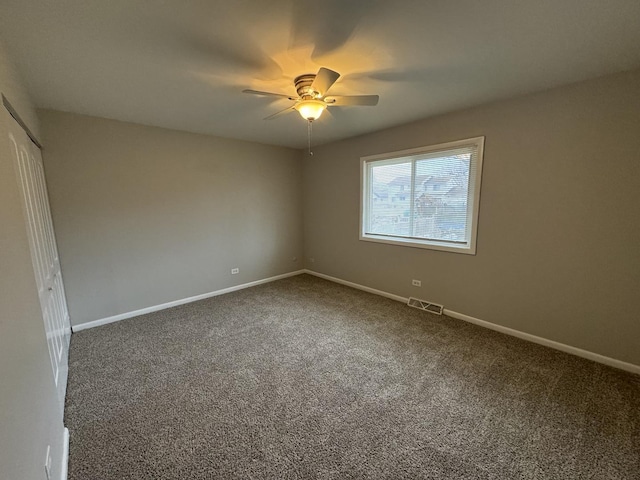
[{"x": 310, "y": 109}]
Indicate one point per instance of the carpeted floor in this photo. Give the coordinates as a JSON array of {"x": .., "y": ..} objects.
[{"x": 304, "y": 379}]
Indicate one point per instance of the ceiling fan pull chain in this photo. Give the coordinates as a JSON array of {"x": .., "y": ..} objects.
[{"x": 309, "y": 122}]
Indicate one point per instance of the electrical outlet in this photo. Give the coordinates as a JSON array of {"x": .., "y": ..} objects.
[
  {"x": 416, "y": 283},
  {"x": 234, "y": 271},
  {"x": 47, "y": 463},
  {"x": 311, "y": 259}
]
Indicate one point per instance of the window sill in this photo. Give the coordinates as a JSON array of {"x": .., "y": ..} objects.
[{"x": 415, "y": 243}]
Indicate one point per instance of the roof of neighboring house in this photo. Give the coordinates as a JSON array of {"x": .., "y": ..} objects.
[
  {"x": 406, "y": 180},
  {"x": 437, "y": 180},
  {"x": 456, "y": 191},
  {"x": 381, "y": 194}
]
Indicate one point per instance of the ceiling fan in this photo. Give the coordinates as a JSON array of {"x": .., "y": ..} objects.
[{"x": 312, "y": 98}]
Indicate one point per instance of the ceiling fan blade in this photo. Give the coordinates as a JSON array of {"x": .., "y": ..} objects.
[
  {"x": 323, "y": 81},
  {"x": 281, "y": 112},
  {"x": 269, "y": 94},
  {"x": 340, "y": 100}
]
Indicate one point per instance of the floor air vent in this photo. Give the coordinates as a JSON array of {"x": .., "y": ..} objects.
[{"x": 424, "y": 305}]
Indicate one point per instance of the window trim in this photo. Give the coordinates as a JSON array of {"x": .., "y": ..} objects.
[{"x": 469, "y": 247}]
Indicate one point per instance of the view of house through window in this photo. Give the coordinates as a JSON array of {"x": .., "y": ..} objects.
[{"x": 425, "y": 197}]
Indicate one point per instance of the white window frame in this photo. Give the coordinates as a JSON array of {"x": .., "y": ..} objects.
[{"x": 473, "y": 199}]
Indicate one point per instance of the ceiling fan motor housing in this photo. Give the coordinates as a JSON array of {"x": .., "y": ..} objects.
[
  {"x": 312, "y": 100},
  {"x": 303, "y": 86}
]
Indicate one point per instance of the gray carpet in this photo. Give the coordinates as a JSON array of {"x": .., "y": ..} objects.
[{"x": 305, "y": 379}]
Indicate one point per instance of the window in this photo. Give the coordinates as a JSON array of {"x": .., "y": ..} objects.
[{"x": 426, "y": 197}]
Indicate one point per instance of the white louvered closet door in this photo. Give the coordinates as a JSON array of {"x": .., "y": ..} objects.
[{"x": 44, "y": 252}]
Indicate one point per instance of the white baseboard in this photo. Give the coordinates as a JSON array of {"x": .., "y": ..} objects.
[
  {"x": 596, "y": 357},
  {"x": 629, "y": 367},
  {"x": 358, "y": 286},
  {"x": 65, "y": 456},
  {"x": 175, "y": 303}
]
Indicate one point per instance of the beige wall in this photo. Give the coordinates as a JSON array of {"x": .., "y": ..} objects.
[
  {"x": 30, "y": 414},
  {"x": 146, "y": 216},
  {"x": 559, "y": 230},
  {"x": 16, "y": 92}
]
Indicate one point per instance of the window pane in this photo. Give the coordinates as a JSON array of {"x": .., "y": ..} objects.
[
  {"x": 441, "y": 193},
  {"x": 390, "y": 199}
]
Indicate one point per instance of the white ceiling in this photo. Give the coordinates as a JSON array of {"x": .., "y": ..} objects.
[{"x": 183, "y": 64}]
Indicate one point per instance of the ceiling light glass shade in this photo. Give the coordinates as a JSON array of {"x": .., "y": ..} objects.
[{"x": 310, "y": 109}]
